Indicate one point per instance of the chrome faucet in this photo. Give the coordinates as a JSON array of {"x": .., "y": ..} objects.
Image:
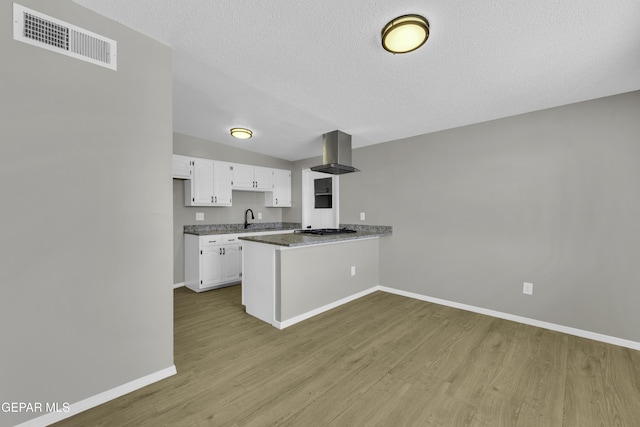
[{"x": 246, "y": 222}]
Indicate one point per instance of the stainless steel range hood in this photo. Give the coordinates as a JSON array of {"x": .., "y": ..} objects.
[{"x": 336, "y": 154}]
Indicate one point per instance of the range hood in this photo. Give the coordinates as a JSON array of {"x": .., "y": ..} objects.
[{"x": 336, "y": 154}]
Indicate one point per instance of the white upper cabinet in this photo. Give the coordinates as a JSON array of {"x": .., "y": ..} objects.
[
  {"x": 280, "y": 196},
  {"x": 264, "y": 178},
  {"x": 251, "y": 178},
  {"x": 222, "y": 176},
  {"x": 199, "y": 190},
  {"x": 210, "y": 184},
  {"x": 243, "y": 177},
  {"x": 182, "y": 167}
]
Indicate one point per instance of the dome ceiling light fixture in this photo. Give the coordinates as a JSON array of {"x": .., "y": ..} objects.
[
  {"x": 405, "y": 33},
  {"x": 241, "y": 133}
]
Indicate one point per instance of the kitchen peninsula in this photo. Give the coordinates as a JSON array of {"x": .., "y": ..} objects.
[{"x": 288, "y": 278}]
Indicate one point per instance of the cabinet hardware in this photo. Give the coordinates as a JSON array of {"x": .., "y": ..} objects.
[
  {"x": 211, "y": 199},
  {"x": 200, "y": 252},
  {"x": 224, "y": 251},
  {"x": 193, "y": 199},
  {"x": 276, "y": 200},
  {"x": 216, "y": 197},
  {"x": 220, "y": 251}
]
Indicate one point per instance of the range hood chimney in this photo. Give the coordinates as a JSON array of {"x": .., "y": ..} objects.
[{"x": 336, "y": 154}]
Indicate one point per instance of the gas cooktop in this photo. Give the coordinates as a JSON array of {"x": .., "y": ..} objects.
[{"x": 325, "y": 231}]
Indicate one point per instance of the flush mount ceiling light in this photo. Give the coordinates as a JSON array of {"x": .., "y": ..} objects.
[
  {"x": 241, "y": 133},
  {"x": 405, "y": 33}
]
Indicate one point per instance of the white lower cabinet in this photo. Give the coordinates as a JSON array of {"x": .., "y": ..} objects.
[
  {"x": 210, "y": 267},
  {"x": 211, "y": 262},
  {"x": 232, "y": 260}
]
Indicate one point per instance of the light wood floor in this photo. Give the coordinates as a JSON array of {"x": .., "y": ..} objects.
[{"x": 383, "y": 360}]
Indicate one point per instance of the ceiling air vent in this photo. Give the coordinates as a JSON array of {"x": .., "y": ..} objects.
[{"x": 40, "y": 30}]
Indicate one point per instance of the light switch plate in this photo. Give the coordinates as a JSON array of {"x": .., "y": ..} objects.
[
  {"x": 527, "y": 288},
  {"x": 361, "y": 216},
  {"x": 199, "y": 216},
  {"x": 259, "y": 215}
]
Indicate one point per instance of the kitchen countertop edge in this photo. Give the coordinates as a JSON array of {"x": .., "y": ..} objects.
[
  {"x": 293, "y": 240},
  {"x": 213, "y": 229}
]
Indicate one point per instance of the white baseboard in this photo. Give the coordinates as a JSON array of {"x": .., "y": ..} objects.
[
  {"x": 527, "y": 321},
  {"x": 99, "y": 399},
  {"x": 493, "y": 313},
  {"x": 178, "y": 285},
  {"x": 315, "y": 312}
]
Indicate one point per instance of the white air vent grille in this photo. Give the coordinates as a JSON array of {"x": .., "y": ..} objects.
[
  {"x": 44, "y": 31},
  {"x": 52, "y": 34}
]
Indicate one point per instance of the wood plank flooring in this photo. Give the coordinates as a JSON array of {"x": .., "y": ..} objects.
[{"x": 383, "y": 360}]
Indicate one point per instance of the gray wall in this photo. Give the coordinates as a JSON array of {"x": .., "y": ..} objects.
[
  {"x": 242, "y": 200},
  {"x": 304, "y": 283},
  {"x": 550, "y": 197},
  {"x": 86, "y": 295}
]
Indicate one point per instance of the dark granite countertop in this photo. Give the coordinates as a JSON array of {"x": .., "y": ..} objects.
[
  {"x": 256, "y": 227},
  {"x": 297, "y": 239}
]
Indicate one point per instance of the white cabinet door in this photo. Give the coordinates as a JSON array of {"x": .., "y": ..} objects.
[
  {"x": 251, "y": 178},
  {"x": 280, "y": 197},
  {"x": 210, "y": 262},
  {"x": 182, "y": 167},
  {"x": 222, "y": 177},
  {"x": 243, "y": 177},
  {"x": 282, "y": 187},
  {"x": 210, "y": 184},
  {"x": 210, "y": 266},
  {"x": 199, "y": 190},
  {"x": 232, "y": 263},
  {"x": 263, "y": 178},
  {"x": 203, "y": 181}
]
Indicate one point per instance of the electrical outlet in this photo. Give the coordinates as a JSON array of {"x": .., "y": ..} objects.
[
  {"x": 353, "y": 270},
  {"x": 259, "y": 215},
  {"x": 527, "y": 288},
  {"x": 199, "y": 216},
  {"x": 361, "y": 216}
]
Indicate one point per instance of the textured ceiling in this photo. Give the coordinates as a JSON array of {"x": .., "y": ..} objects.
[{"x": 292, "y": 70}]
